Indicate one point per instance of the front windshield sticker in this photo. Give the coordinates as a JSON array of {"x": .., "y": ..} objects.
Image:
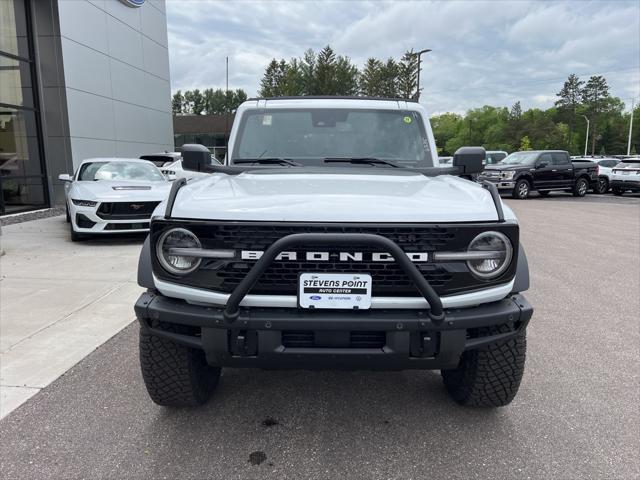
[
  {"x": 407, "y": 120},
  {"x": 266, "y": 120}
]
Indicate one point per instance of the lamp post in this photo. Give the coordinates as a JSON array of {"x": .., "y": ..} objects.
[
  {"x": 426, "y": 50},
  {"x": 630, "y": 127},
  {"x": 586, "y": 140}
]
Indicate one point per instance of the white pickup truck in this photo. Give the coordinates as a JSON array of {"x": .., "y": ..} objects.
[{"x": 332, "y": 238}]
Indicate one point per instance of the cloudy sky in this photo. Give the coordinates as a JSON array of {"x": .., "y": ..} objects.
[{"x": 484, "y": 52}]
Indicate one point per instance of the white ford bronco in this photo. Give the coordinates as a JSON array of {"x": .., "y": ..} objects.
[{"x": 331, "y": 238}]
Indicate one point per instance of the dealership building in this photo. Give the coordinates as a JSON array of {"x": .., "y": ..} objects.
[{"x": 78, "y": 79}]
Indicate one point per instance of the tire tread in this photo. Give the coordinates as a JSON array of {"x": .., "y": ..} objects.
[{"x": 490, "y": 376}]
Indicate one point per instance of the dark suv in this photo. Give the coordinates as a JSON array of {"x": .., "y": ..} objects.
[{"x": 544, "y": 171}]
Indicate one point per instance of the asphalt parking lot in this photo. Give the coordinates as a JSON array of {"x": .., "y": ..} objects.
[{"x": 576, "y": 415}]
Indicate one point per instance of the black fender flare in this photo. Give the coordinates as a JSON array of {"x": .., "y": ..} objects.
[
  {"x": 145, "y": 269},
  {"x": 521, "y": 281}
]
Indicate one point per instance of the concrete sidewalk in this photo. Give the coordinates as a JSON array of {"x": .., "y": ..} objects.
[{"x": 58, "y": 301}]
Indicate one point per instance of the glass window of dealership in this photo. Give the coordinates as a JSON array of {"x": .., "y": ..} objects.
[{"x": 22, "y": 176}]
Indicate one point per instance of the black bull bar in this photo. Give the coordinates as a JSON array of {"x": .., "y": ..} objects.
[{"x": 232, "y": 308}]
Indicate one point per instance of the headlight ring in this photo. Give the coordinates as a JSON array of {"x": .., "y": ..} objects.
[
  {"x": 177, "y": 238},
  {"x": 489, "y": 268}
]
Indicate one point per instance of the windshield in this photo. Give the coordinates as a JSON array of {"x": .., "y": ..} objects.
[
  {"x": 520, "y": 158},
  {"x": 628, "y": 165},
  {"x": 119, "y": 171},
  {"x": 494, "y": 157},
  {"x": 310, "y": 135},
  {"x": 159, "y": 160}
]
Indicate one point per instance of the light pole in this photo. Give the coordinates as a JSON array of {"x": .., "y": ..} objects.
[
  {"x": 630, "y": 128},
  {"x": 426, "y": 50},
  {"x": 586, "y": 140}
]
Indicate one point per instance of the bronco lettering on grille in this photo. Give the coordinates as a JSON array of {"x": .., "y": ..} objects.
[{"x": 326, "y": 256}]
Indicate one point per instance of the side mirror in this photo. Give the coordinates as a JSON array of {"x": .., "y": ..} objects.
[
  {"x": 65, "y": 177},
  {"x": 195, "y": 157},
  {"x": 470, "y": 160}
]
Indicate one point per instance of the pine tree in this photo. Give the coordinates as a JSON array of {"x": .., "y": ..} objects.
[
  {"x": 596, "y": 98},
  {"x": 408, "y": 75},
  {"x": 177, "y": 103},
  {"x": 569, "y": 98},
  {"x": 371, "y": 78}
]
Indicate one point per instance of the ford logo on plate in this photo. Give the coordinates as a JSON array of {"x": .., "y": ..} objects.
[{"x": 315, "y": 297}]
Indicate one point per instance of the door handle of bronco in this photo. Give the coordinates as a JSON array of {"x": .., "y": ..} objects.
[{"x": 232, "y": 310}]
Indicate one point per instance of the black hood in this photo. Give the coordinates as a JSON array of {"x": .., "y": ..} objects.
[{"x": 503, "y": 167}]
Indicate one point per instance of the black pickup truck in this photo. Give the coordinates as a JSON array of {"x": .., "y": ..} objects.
[{"x": 544, "y": 171}]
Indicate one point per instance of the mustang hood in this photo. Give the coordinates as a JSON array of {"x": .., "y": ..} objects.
[
  {"x": 110, "y": 190},
  {"x": 334, "y": 197}
]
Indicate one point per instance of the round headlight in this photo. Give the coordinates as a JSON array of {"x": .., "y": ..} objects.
[
  {"x": 177, "y": 238},
  {"x": 497, "y": 251}
]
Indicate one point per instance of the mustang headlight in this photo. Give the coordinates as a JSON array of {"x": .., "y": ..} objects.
[
  {"x": 508, "y": 175},
  {"x": 84, "y": 203},
  {"x": 494, "y": 255},
  {"x": 171, "y": 261}
]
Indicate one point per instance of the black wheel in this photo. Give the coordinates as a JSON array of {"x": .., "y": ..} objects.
[
  {"x": 580, "y": 187},
  {"x": 617, "y": 191},
  {"x": 522, "y": 189},
  {"x": 602, "y": 186},
  {"x": 175, "y": 375},
  {"x": 75, "y": 236},
  {"x": 544, "y": 193},
  {"x": 490, "y": 376},
  {"x": 68, "y": 216}
]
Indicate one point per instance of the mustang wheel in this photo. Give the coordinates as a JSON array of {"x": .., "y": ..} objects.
[
  {"x": 489, "y": 376},
  {"x": 175, "y": 375},
  {"x": 521, "y": 190},
  {"x": 580, "y": 188},
  {"x": 75, "y": 236}
]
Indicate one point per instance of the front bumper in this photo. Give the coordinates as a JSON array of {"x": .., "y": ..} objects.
[
  {"x": 86, "y": 220},
  {"x": 257, "y": 337},
  {"x": 500, "y": 183}
]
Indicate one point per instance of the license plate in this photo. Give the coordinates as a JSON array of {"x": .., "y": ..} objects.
[{"x": 334, "y": 290}]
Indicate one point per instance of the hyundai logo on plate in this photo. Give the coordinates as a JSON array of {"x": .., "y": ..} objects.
[
  {"x": 315, "y": 297},
  {"x": 133, "y": 3}
]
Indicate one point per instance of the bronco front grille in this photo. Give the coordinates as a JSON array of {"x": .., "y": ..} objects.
[{"x": 281, "y": 278}]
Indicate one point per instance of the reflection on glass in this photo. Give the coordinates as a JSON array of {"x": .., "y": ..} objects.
[
  {"x": 15, "y": 82},
  {"x": 13, "y": 28}
]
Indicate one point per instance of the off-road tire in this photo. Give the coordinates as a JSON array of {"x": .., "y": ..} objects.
[
  {"x": 618, "y": 191},
  {"x": 488, "y": 376},
  {"x": 580, "y": 187},
  {"x": 544, "y": 193},
  {"x": 175, "y": 375},
  {"x": 522, "y": 189},
  {"x": 602, "y": 186}
]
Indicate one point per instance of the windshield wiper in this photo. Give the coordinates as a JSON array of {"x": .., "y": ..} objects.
[
  {"x": 267, "y": 161},
  {"x": 361, "y": 160}
]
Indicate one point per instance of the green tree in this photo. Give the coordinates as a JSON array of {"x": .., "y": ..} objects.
[
  {"x": 569, "y": 99},
  {"x": 371, "y": 78},
  {"x": 525, "y": 143},
  {"x": 177, "y": 103},
  {"x": 596, "y": 98},
  {"x": 445, "y": 127},
  {"x": 408, "y": 75}
]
